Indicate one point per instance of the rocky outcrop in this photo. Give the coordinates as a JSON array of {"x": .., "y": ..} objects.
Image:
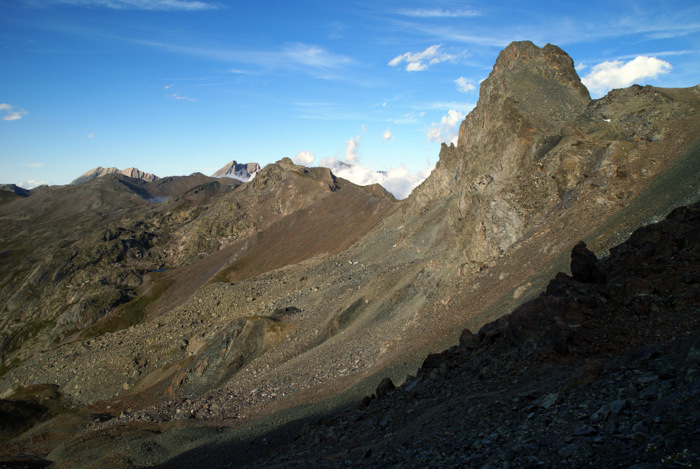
[{"x": 133, "y": 173}]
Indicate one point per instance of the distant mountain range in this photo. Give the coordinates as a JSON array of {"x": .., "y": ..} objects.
[
  {"x": 100, "y": 171},
  {"x": 241, "y": 171}
]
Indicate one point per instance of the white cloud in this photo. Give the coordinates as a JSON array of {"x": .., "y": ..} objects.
[
  {"x": 440, "y": 13},
  {"x": 418, "y": 61},
  {"x": 90, "y": 135},
  {"x": 464, "y": 85},
  {"x": 448, "y": 128},
  {"x": 31, "y": 184},
  {"x": 10, "y": 113},
  {"x": 304, "y": 157},
  {"x": 398, "y": 181},
  {"x": 154, "y": 5},
  {"x": 618, "y": 74},
  {"x": 34, "y": 165},
  {"x": 351, "y": 149},
  {"x": 387, "y": 135}
]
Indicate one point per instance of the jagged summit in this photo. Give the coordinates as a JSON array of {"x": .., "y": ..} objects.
[
  {"x": 540, "y": 84},
  {"x": 241, "y": 171},
  {"x": 132, "y": 172}
]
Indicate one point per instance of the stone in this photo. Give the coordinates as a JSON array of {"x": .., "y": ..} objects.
[
  {"x": 548, "y": 401},
  {"x": 385, "y": 387},
  {"x": 585, "y": 267}
]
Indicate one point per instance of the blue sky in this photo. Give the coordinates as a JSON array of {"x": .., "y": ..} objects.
[{"x": 174, "y": 87}]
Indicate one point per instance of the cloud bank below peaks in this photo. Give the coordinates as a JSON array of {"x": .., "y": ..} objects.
[{"x": 398, "y": 181}]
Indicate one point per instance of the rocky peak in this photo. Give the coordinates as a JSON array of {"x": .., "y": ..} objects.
[
  {"x": 527, "y": 103},
  {"x": 542, "y": 83},
  {"x": 530, "y": 89},
  {"x": 278, "y": 170},
  {"x": 241, "y": 171},
  {"x": 533, "y": 139},
  {"x": 136, "y": 173}
]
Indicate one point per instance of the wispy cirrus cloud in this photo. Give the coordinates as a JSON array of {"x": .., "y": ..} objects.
[
  {"x": 152, "y": 5},
  {"x": 419, "y": 61},
  {"x": 447, "y": 105},
  {"x": 311, "y": 59},
  {"x": 10, "y": 113},
  {"x": 409, "y": 117},
  {"x": 440, "y": 13},
  {"x": 618, "y": 74},
  {"x": 176, "y": 95}
]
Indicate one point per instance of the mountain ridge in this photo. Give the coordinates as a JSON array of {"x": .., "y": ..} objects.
[
  {"x": 257, "y": 339},
  {"x": 132, "y": 172}
]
